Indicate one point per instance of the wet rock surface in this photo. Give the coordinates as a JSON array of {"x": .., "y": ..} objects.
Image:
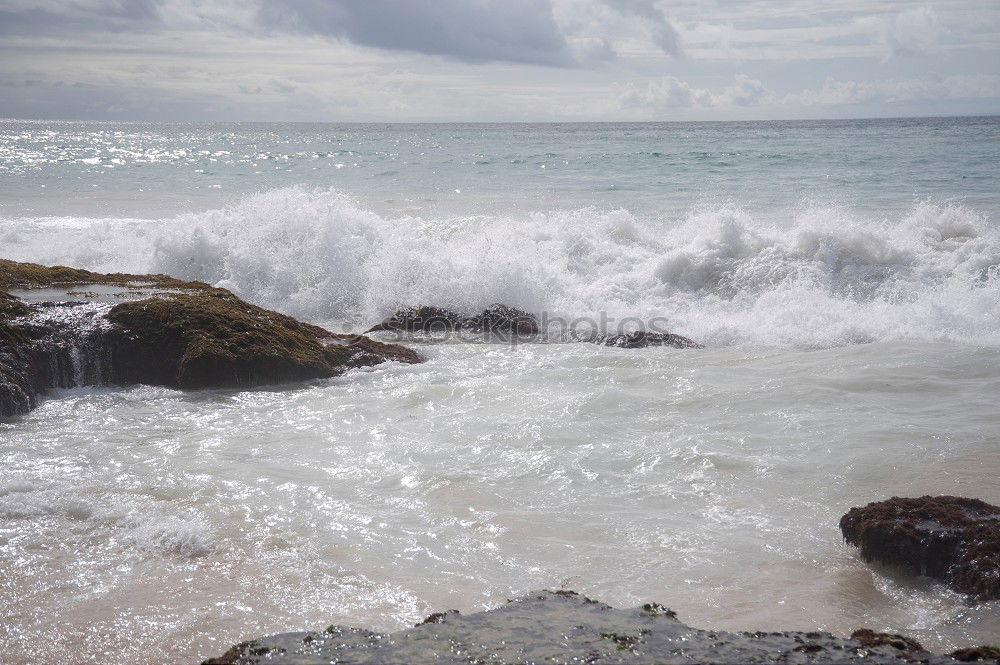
[
  {"x": 642, "y": 339},
  {"x": 564, "y": 627},
  {"x": 951, "y": 538},
  {"x": 496, "y": 319},
  {"x": 503, "y": 323},
  {"x": 128, "y": 329},
  {"x": 983, "y": 654}
]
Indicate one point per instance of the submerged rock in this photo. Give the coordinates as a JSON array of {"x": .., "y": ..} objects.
[
  {"x": 495, "y": 319},
  {"x": 120, "y": 329},
  {"x": 504, "y": 321},
  {"x": 565, "y": 627},
  {"x": 947, "y": 537},
  {"x": 421, "y": 319},
  {"x": 641, "y": 339}
]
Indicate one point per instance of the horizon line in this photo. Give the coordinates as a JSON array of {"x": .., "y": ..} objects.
[{"x": 991, "y": 114}]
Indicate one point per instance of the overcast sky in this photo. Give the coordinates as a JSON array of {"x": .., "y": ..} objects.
[{"x": 496, "y": 60}]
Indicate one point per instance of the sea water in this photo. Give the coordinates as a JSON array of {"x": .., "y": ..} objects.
[{"x": 844, "y": 277}]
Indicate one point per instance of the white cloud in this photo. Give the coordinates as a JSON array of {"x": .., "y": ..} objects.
[
  {"x": 915, "y": 31},
  {"x": 834, "y": 92},
  {"x": 670, "y": 92}
]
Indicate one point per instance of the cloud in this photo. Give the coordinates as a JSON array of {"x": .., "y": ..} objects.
[
  {"x": 834, "y": 92},
  {"x": 670, "y": 92},
  {"x": 522, "y": 31},
  {"x": 663, "y": 32},
  {"x": 912, "y": 32},
  {"x": 31, "y": 17},
  {"x": 746, "y": 92}
]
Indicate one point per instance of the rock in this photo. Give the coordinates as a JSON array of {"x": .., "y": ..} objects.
[
  {"x": 977, "y": 654},
  {"x": 869, "y": 638},
  {"x": 505, "y": 321},
  {"x": 501, "y": 319},
  {"x": 17, "y": 394},
  {"x": 565, "y": 627},
  {"x": 421, "y": 319},
  {"x": 496, "y": 319},
  {"x": 126, "y": 329},
  {"x": 947, "y": 537},
  {"x": 211, "y": 338},
  {"x": 641, "y": 339}
]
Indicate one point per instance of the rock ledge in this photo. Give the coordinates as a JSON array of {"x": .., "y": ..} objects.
[{"x": 565, "y": 627}]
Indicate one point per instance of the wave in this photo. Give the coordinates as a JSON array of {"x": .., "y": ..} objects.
[
  {"x": 145, "y": 528},
  {"x": 720, "y": 273}
]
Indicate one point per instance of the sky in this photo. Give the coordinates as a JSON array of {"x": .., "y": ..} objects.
[{"x": 497, "y": 60}]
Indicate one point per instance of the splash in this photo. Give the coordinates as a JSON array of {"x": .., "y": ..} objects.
[{"x": 823, "y": 276}]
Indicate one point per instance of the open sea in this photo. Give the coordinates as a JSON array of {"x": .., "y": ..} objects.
[{"x": 844, "y": 277}]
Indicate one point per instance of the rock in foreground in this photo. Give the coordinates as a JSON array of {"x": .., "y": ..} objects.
[
  {"x": 62, "y": 327},
  {"x": 947, "y": 537},
  {"x": 564, "y": 627}
]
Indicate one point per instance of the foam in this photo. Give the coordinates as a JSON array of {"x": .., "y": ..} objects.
[
  {"x": 145, "y": 528},
  {"x": 725, "y": 275}
]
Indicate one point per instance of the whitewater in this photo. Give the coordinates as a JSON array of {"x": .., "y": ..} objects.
[{"x": 844, "y": 277}]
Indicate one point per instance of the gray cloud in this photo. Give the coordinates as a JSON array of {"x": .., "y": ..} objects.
[
  {"x": 33, "y": 17},
  {"x": 662, "y": 30},
  {"x": 913, "y": 32},
  {"x": 474, "y": 31},
  {"x": 355, "y": 59}
]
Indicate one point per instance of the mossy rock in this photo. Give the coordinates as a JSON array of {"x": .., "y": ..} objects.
[
  {"x": 211, "y": 338},
  {"x": 955, "y": 539},
  {"x": 186, "y": 335}
]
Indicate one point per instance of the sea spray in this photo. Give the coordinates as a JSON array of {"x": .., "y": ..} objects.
[{"x": 819, "y": 276}]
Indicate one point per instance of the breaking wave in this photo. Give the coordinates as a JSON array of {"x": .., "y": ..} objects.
[{"x": 722, "y": 274}]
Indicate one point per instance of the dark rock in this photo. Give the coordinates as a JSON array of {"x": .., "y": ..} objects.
[
  {"x": 977, "y": 654},
  {"x": 438, "y": 617},
  {"x": 155, "y": 330},
  {"x": 641, "y": 339},
  {"x": 565, "y": 627},
  {"x": 211, "y": 338},
  {"x": 947, "y": 537},
  {"x": 496, "y": 319},
  {"x": 869, "y": 638},
  {"x": 504, "y": 322},
  {"x": 421, "y": 319}
]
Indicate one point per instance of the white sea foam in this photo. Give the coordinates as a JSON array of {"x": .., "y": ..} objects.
[
  {"x": 818, "y": 276},
  {"x": 144, "y": 529}
]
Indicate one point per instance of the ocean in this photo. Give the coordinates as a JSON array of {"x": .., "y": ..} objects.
[{"x": 843, "y": 276}]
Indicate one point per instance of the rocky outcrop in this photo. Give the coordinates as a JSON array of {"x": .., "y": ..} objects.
[
  {"x": 211, "y": 338},
  {"x": 126, "y": 329},
  {"x": 564, "y": 627},
  {"x": 496, "y": 319},
  {"x": 947, "y": 537}
]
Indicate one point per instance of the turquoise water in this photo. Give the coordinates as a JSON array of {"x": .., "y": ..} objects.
[
  {"x": 155, "y": 169},
  {"x": 844, "y": 277}
]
